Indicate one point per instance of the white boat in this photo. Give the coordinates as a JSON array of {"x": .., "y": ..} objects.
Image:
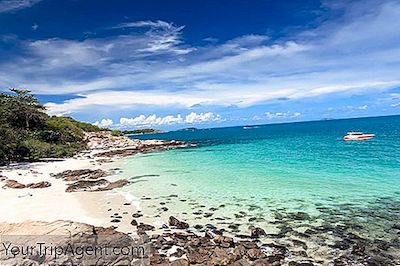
[{"x": 358, "y": 136}]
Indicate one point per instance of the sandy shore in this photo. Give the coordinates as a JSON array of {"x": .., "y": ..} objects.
[
  {"x": 44, "y": 204},
  {"x": 54, "y": 203}
]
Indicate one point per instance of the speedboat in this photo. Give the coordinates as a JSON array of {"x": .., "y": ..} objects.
[{"x": 358, "y": 136}]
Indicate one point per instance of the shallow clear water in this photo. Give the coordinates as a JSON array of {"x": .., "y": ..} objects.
[{"x": 260, "y": 174}]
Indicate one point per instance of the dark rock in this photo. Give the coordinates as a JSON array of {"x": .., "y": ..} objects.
[
  {"x": 137, "y": 215},
  {"x": 97, "y": 185},
  {"x": 198, "y": 255},
  {"x": 42, "y": 184},
  {"x": 178, "y": 224},
  {"x": 179, "y": 262},
  {"x": 358, "y": 249},
  {"x": 224, "y": 241},
  {"x": 233, "y": 226},
  {"x": 115, "y": 221},
  {"x": 299, "y": 243},
  {"x": 247, "y": 244},
  {"x": 82, "y": 174},
  {"x": 396, "y": 226},
  {"x": 256, "y": 232},
  {"x": 134, "y": 222},
  {"x": 221, "y": 257},
  {"x": 145, "y": 227},
  {"x": 299, "y": 216},
  {"x": 254, "y": 254},
  {"x": 342, "y": 245},
  {"x": 13, "y": 184}
]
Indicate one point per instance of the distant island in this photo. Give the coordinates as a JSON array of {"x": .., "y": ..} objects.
[
  {"x": 141, "y": 131},
  {"x": 188, "y": 129}
]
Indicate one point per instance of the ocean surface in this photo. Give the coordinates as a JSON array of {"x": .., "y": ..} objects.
[{"x": 296, "y": 181}]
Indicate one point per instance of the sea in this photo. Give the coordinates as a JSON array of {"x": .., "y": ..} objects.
[{"x": 297, "y": 181}]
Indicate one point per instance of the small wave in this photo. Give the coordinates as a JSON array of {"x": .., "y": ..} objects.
[{"x": 129, "y": 197}]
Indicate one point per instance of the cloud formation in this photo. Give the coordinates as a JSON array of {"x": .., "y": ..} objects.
[
  {"x": 105, "y": 123},
  {"x": 14, "y": 5},
  {"x": 154, "y": 120},
  {"x": 281, "y": 115},
  {"x": 148, "y": 63}
]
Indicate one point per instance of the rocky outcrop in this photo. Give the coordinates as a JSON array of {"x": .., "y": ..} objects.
[
  {"x": 10, "y": 183},
  {"x": 81, "y": 174},
  {"x": 144, "y": 146},
  {"x": 95, "y": 185},
  {"x": 105, "y": 140},
  {"x": 76, "y": 244},
  {"x": 256, "y": 232},
  {"x": 42, "y": 184},
  {"x": 176, "y": 223}
]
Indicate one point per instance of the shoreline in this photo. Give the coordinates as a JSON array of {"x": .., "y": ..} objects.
[
  {"x": 52, "y": 203},
  {"x": 110, "y": 209}
]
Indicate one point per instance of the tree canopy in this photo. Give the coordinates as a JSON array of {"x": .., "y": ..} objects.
[{"x": 28, "y": 133}]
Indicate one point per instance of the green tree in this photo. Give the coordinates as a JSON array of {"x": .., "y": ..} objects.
[{"x": 25, "y": 110}]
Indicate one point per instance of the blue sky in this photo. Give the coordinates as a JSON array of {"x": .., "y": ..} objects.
[{"x": 174, "y": 64}]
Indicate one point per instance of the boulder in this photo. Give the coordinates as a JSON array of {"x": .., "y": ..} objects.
[
  {"x": 96, "y": 185},
  {"x": 10, "y": 183},
  {"x": 256, "y": 232},
  {"x": 42, "y": 184},
  {"x": 82, "y": 174},
  {"x": 221, "y": 257},
  {"x": 64, "y": 235},
  {"x": 176, "y": 223}
]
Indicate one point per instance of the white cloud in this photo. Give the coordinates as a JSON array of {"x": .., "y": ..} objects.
[
  {"x": 151, "y": 65},
  {"x": 104, "y": 123},
  {"x": 14, "y": 5},
  {"x": 193, "y": 117},
  {"x": 150, "y": 120},
  {"x": 395, "y": 105},
  {"x": 154, "y": 120},
  {"x": 281, "y": 115}
]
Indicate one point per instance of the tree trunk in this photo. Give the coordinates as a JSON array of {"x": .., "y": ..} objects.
[{"x": 27, "y": 121}]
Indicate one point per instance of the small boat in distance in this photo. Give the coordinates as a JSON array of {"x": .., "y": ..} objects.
[
  {"x": 358, "y": 136},
  {"x": 250, "y": 127}
]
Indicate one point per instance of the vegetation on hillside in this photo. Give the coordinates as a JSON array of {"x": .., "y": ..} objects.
[{"x": 28, "y": 133}]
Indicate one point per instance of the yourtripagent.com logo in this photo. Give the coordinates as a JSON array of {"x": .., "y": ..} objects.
[{"x": 74, "y": 250}]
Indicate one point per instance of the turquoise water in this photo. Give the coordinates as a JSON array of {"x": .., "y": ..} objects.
[{"x": 262, "y": 175}]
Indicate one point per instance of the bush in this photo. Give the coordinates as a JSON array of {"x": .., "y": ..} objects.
[
  {"x": 37, "y": 149},
  {"x": 66, "y": 129}
]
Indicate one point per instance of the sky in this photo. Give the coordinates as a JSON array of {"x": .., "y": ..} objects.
[{"x": 173, "y": 64}]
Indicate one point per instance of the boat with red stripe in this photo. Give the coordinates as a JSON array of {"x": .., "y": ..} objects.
[{"x": 352, "y": 135}]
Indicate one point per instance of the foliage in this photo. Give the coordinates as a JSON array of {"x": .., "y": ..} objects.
[
  {"x": 116, "y": 133},
  {"x": 28, "y": 133}
]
